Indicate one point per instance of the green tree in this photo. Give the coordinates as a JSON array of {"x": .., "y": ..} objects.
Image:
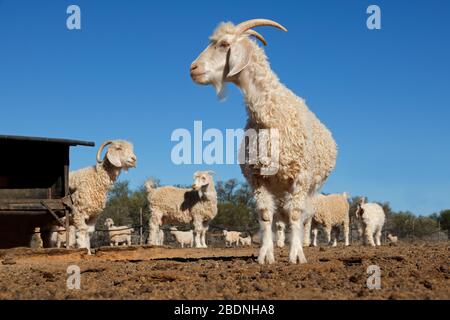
[
  {"x": 425, "y": 226},
  {"x": 444, "y": 220},
  {"x": 236, "y": 206},
  {"x": 402, "y": 224}
]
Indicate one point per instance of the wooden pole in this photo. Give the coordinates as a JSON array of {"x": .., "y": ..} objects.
[
  {"x": 67, "y": 230},
  {"x": 141, "y": 240}
]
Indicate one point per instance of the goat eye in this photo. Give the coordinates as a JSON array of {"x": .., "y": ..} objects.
[{"x": 224, "y": 44}]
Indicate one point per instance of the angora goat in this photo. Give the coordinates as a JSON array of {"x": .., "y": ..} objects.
[
  {"x": 118, "y": 234},
  {"x": 330, "y": 211},
  {"x": 179, "y": 205},
  {"x": 371, "y": 218},
  {"x": 231, "y": 237},
  {"x": 90, "y": 186},
  {"x": 307, "y": 152},
  {"x": 184, "y": 237}
]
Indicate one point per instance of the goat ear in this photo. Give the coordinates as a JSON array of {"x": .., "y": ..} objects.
[
  {"x": 113, "y": 156},
  {"x": 238, "y": 57}
]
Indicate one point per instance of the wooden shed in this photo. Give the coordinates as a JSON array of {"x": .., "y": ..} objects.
[{"x": 34, "y": 186}]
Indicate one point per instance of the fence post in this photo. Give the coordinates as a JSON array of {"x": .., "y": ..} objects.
[
  {"x": 67, "y": 230},
  {"x": 140, "y": 227},
  {"x": 439, "y": 231}
]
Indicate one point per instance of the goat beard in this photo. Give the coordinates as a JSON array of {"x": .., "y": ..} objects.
[{"x": 221, "y": 89}]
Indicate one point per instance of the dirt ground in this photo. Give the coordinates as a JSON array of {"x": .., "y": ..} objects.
[{"x": 408, "y": 271}]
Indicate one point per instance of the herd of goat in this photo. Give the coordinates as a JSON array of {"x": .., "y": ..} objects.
[{"x": 289, "y": 198}]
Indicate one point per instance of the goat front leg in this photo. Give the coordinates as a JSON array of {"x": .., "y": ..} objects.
[
  {"x": 265, "y": 207},
  {"x": 378, "y": 237},
  {"x": 315, "y": 232},
  {"x": 327, "y": 230},
  {"x": 346, "y": 233},
  {"x": 203, "y": 235},
  {"x": 335, "y": 235},
  {"x": 154, "y": 224},
  {"x": 198, "y": 227},
  {"x": 369, "y": 236},
  {"x": 296, "y": 250},
  {"x": 203, "y": 239},
  {"x": 297, "y": 209},
  {"x": 82, "y": 231}
]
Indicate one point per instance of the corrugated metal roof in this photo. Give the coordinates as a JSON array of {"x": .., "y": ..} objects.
[{"x": 48, "y": 140}]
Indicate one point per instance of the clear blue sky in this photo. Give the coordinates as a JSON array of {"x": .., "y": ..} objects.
[{"x": 384, "y": 94}]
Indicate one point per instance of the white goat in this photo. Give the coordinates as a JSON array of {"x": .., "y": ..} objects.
[
  {"x": 245, "y": 241},
  {"x": 118, "y": 234},
  {"x": 231, "y": 237},
  {"x": 184, "y": 237},
  {"x": 59, "y": 237},
  {"x": 392, "y": 239},
  {"x": 90, "y": 186},
  {"x": 179, "y": 205},
  {"x": 330, "y": 211},
  {"x": 371, "y": 218},
  {"x": 36, "y": 239},
  {"x": 307, "y": 152}
]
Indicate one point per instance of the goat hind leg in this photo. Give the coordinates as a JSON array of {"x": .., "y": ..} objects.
[{"x": 378, "y": 237}]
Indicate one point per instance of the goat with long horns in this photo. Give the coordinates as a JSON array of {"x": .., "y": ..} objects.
[
  {"x": 306, "y": 155},
  {"x": 90, "y": 186}
]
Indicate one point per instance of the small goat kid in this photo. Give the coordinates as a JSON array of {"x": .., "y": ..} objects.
[
  {"x": 371, "y": 218},
  {"x": 231, "y": 237},
  {"x": 118, "y": 234}
]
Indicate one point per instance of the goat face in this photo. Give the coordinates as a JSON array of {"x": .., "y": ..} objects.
[
  {"x": 120, "y": 154},
  {"x": 228, "y": 53},
  {"x": 202, "y": 179},
  {"x": 109, "y": 223},
  {"x": 359, "y": 212}
]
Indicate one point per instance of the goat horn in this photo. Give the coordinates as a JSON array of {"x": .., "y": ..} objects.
[
  {"x": 250, "y": 24},
  {"x": 99, "y": 152},
  {"x": 257, "y": 36}
]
